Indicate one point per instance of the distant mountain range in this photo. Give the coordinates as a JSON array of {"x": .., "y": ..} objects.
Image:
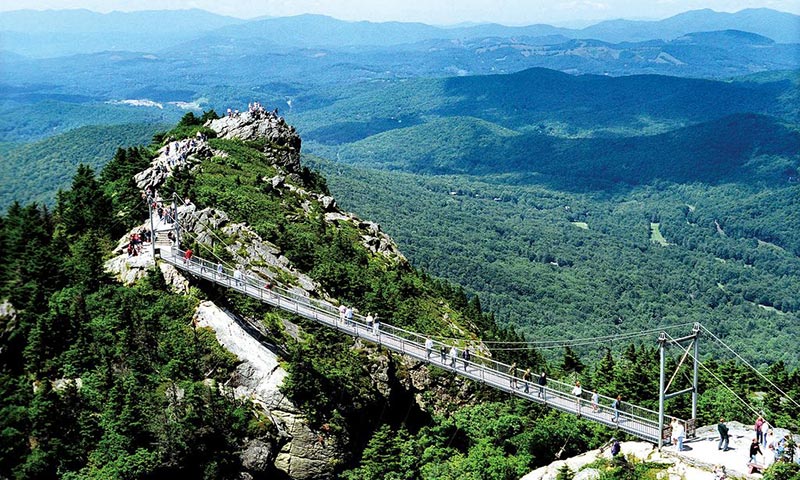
[{"x": 63, "y": 32}]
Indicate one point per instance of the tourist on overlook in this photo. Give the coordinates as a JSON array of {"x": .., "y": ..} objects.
[
  {"x": 723, "y": 435},
  {"x": 616, "y": 448},
  {"x": 755, "y": 449},
  {"x": 678, "y": 434},
  {"x": 772, "y": 446},
  {"x": 757, "y": 426},
  {"x": 764, "y": 430}
]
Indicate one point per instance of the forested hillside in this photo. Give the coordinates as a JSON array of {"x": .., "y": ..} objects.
[
  {"x": 40, "y": 169},
  {"x": 557, "y": 264},
  {"x": 130, "y": 381}
]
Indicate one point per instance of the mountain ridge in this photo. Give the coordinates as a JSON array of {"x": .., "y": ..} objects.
[{"x": 24, "y": 28}]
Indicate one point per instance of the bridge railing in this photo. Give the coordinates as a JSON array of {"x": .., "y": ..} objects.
[{"x": 478, "y": 366}]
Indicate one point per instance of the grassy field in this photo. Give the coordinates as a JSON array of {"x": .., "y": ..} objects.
[{"x": 655, "y": 234}]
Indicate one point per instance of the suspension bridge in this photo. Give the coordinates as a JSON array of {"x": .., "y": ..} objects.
[
  {"x": 637, "y": 421},
  {"x": 647, "y": 424}
]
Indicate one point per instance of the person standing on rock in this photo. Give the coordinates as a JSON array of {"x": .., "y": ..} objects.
[
  {"x": 428, "y": 347},
  {"x": 759, "y": 433},
  {"x": 771, "y": 456},
  {"x": 679, "y": 433},
  {"x": 723, "y": 435},
  {"x": 755, "y": 449},
  {"x": 616, "y": 448},
  {"x": 764, "y": 430}
]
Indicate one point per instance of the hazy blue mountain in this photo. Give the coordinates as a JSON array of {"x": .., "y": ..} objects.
[
  {"x": 745, "y": 148},
  {"x": 550, "y": 102},
  {"x": 51, "y": 33},
  {"x": 323, "y": 31},
  {"x": 779, "y": 26},
  {"x": 62, "y": 32},
  {"x": 320, "y": 30}
]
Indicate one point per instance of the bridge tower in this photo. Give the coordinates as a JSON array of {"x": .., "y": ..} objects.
[{"x": 663, "y": 396}]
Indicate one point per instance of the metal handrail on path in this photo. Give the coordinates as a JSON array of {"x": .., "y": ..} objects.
[{"x": 635, "y": 420}]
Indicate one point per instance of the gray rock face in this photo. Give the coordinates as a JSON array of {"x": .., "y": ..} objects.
[
  {"x": 8, "y": 321},
  {"x": 282, "y": 143},
  {"x": 257, "y": 456},
  {"x": 172, "y": 157},
  {"x": 299, "y": 451}
]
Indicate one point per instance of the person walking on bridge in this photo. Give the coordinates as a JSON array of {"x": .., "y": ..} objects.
[
  {"x": 526, "y": 379},
  {"x": 428, "y": 347},
  {"x": 512, "y": 371},
  {"x": 542, "y": 381},
  {"x": 723, "y": 435},
  {"x": 577, "y": 391},
  {"x": 615, "y": 406},
  {"x": 453, "y": 356}
]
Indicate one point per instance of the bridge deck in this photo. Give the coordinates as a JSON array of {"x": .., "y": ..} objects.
[{"x": 635, "y": 420}]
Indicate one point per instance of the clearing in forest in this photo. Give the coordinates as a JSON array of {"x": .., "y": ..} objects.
[{"x": 655, "y": 234}]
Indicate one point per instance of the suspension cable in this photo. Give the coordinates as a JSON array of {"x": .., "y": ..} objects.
[
  {"x": 749, "y": 365},
  {"x": 742, "y": 401}
]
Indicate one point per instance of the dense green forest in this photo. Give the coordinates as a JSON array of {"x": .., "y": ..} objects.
[
  {"x": 558, "y": 264},
  {"x": 39, "y": 169},
  {"x": 119, "y": 373}
]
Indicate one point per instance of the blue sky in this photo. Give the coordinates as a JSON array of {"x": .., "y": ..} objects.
[{"x": 440, "y": 12}]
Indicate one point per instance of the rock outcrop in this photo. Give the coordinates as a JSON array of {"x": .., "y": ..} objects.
[
  {"x": 299, "y": 451},
  {"x": 281, "y": 141},
  {"x": 173, "y": 156},
  {"x": 8, "y": 321},
  {"x": 697, "y": 462}
]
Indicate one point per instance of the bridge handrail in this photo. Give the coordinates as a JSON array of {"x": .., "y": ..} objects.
[{"x": 279, "y": 296}]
